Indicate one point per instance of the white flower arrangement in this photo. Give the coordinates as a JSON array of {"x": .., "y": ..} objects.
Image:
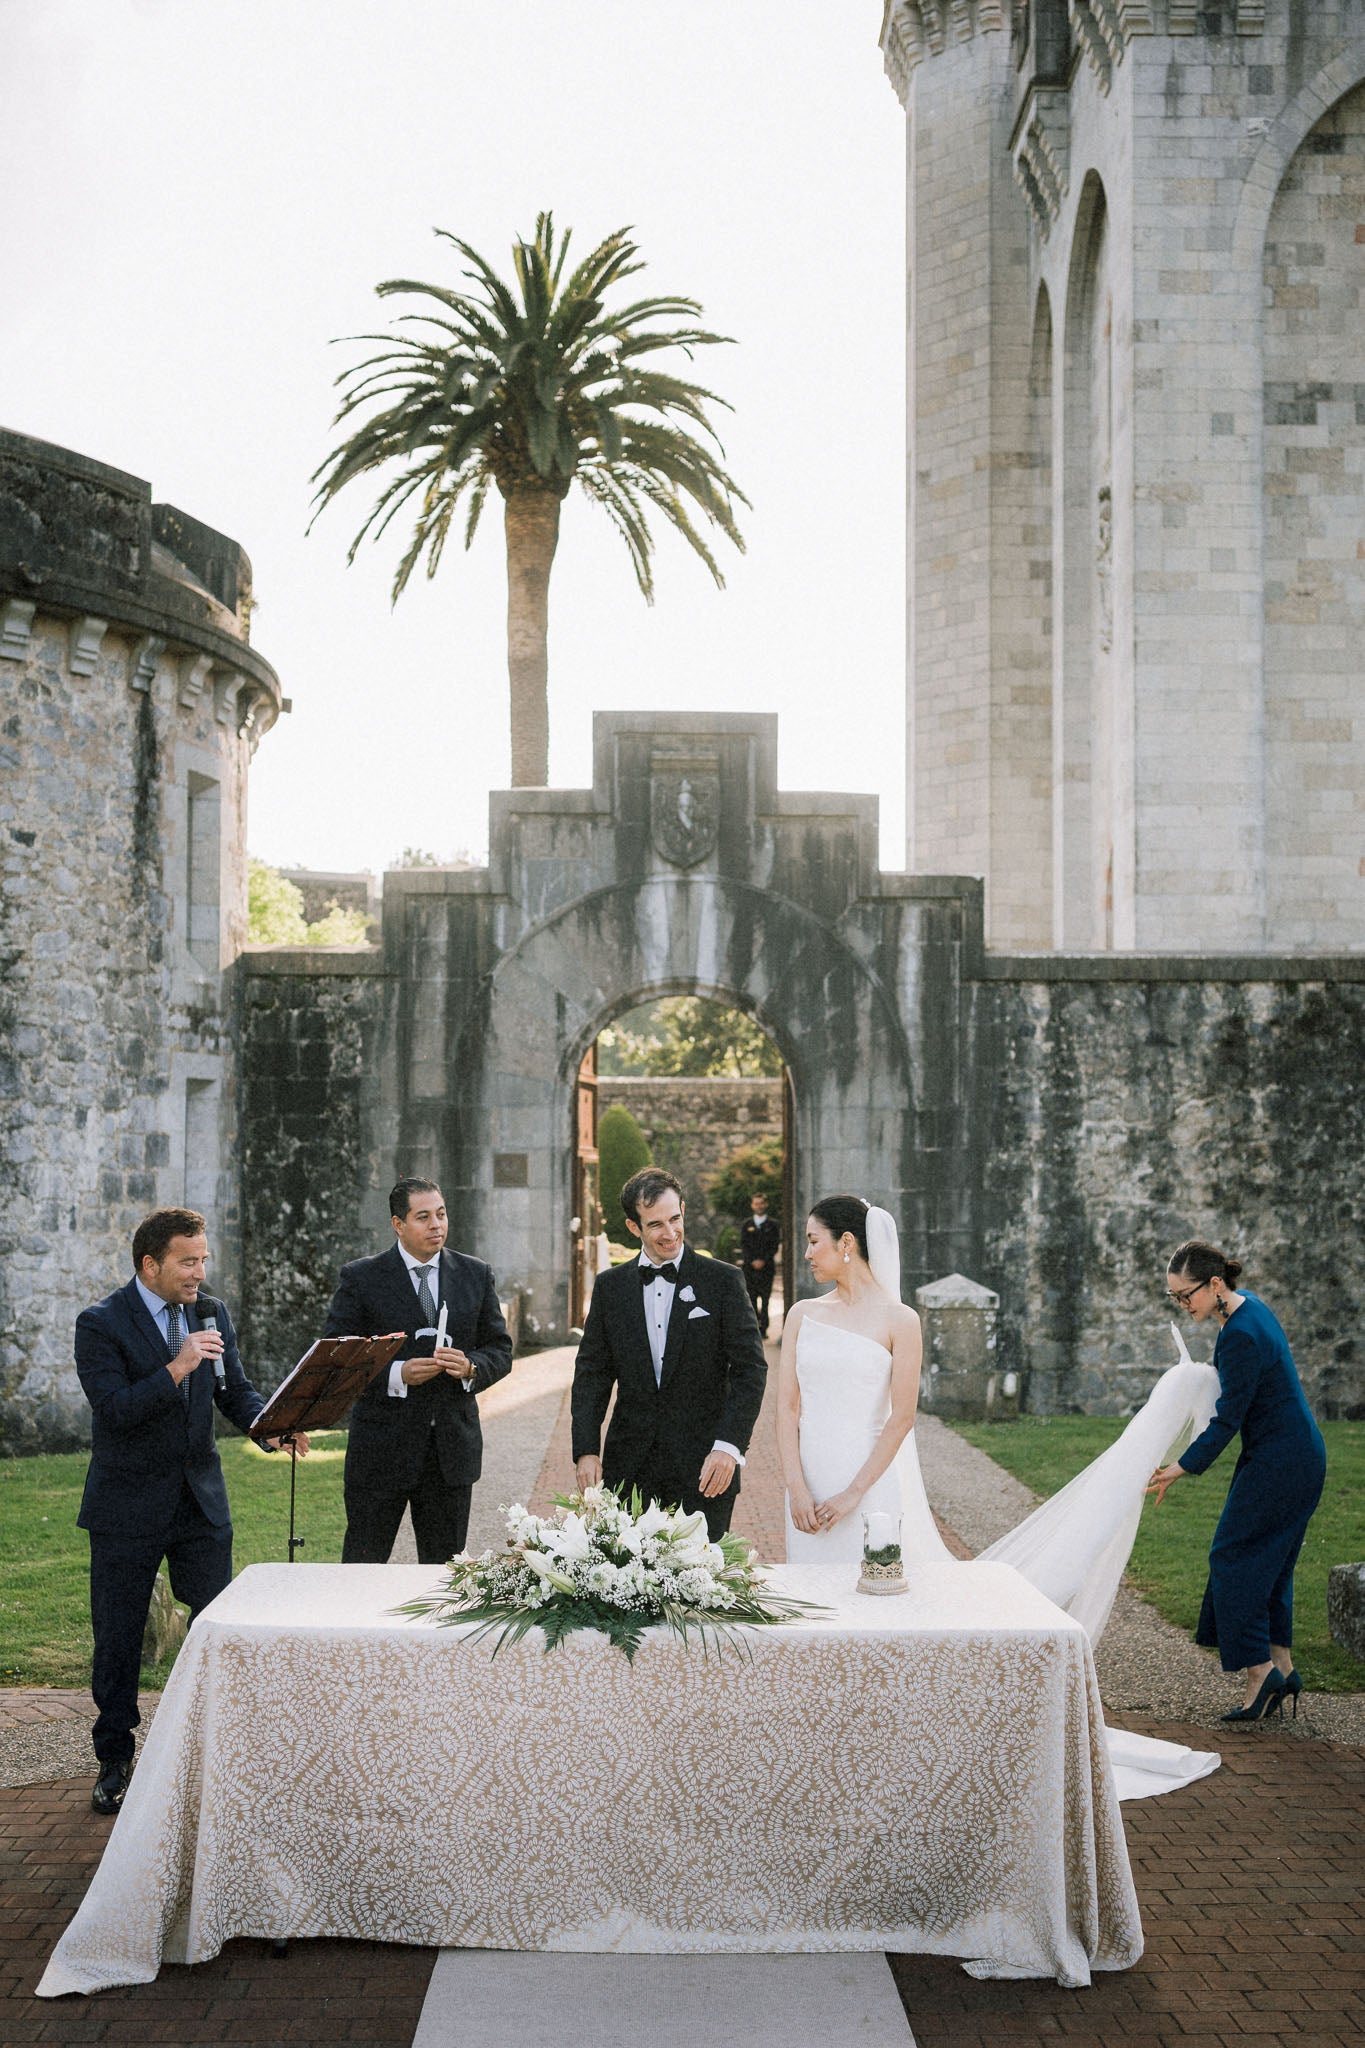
[{"x": 601, "y": 1562}]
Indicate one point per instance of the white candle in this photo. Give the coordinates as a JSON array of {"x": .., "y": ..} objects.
[
  {"x": 881, "y": 1532},
  {"x": 441, "y": 1325}
]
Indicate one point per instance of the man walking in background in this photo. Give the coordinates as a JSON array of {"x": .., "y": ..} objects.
[
  {"x": 153, "y": 1359},
  {"x": 415, "y": 1438},
  {"x": 759, "y": 1239}
]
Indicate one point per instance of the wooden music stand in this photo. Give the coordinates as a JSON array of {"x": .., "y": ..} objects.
[{"x": 332, "y": 1373}]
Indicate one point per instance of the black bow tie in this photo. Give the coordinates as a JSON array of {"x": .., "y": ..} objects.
[{"x": 649, "y": 1274}]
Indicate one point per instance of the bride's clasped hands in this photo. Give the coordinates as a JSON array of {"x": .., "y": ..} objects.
[{"x": 848, "y": 1382}]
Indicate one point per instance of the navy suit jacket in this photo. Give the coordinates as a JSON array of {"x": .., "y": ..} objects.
[
  {"x": 712, "y": 1383},
  {"x": 146, "y": 1439},
  {"x": 389, "y": 1433}
]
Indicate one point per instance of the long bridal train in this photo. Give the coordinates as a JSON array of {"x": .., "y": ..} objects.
[{"x": 1073, "y": 1548}]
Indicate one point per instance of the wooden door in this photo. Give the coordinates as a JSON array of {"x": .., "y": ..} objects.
[
  {"x": 792, "y": 1224},
  {"x": 586, "y": 1207}
]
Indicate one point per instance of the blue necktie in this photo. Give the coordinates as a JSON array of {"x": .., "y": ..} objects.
[{"x": 175, "y": 1337}]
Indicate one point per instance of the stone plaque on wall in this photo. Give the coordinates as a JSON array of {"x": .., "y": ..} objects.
[{"x": 684, "y": 806}]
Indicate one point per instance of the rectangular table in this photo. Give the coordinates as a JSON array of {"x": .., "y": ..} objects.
[{"x": 923, "y": 1773}]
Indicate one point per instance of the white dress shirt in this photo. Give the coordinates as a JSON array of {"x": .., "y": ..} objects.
[
  {"x": 398, "y": 1386},
  {"x": 658, "y": 1308}
]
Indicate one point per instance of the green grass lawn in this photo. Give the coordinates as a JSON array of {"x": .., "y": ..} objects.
[
  {"x": 1170, "y": 1557},
  {"x": 45, "y": 1558}
]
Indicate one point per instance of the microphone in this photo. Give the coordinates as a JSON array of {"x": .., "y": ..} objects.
[{"x": 207, "y": 1311}]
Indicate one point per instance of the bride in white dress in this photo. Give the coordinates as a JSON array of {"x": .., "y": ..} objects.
[
  {"x": 847, "y": 1389},
  {"x": 847, "y": 1392}
]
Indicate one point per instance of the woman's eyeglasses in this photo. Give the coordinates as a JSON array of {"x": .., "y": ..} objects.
[{"x": 1183, "y": 1297}]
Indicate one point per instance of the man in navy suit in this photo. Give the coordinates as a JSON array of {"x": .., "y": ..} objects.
[
  {"x": 415, "y": 1439},
  {"x": 154, "y": 1358}
]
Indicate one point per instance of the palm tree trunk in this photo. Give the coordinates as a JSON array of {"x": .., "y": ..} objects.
[{"x": 531, "y": 520}]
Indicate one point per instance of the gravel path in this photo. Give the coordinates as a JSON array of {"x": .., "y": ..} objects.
[{"x": 1145, "y": 1664}]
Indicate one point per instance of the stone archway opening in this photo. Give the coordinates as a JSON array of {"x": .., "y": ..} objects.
[{"x": 694, "y": 1083}]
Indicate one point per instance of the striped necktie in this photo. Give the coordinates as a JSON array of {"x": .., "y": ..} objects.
[{"x": 175, "y": 1337}]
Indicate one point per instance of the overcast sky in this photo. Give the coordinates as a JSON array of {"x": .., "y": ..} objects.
[{"x": 197, "y": 196}]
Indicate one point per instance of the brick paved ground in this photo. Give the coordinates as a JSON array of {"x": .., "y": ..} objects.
[
  {"x": 1250, "y": 1883},
  {"x": 33, "y": 1706},
  {"x": 322, "y": 1992}
]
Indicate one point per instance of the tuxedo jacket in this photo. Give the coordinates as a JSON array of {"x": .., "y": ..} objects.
[
  {"x": 759, "y": 1239},
  {"x": 713, "y": 1377},
  {"x": 389, "y": 1433},
  {"x": 147, "y": 1439}
]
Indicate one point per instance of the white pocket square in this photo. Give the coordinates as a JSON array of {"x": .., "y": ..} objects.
[{"x": 692, "y": 1317}]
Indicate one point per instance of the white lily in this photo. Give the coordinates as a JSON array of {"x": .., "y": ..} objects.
[
  {"x": 655, "y": 1520},
  {"x": 571, "y": 1540},
  {"x": 545, "y": 1571}
]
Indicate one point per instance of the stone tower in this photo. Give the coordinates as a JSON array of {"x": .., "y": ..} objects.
[
  {"x": 130, "y": 704},
  {"x": 1136, "y": 475}
]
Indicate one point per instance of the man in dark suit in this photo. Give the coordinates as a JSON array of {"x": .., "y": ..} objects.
[
  {"x": 675, "y": 1336},
  {"x": 759, "y": 1238},
  {"x": 153, "y": 1358},
  {"x": 415, "y": 1439}
]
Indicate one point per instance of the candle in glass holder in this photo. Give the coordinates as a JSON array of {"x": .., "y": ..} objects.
[{"x": 881, "y": 1532}]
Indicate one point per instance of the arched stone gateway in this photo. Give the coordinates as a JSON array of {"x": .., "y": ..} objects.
[
  {"x": 1050, "y": 1125},
  {"x": 683, "y": 871}
]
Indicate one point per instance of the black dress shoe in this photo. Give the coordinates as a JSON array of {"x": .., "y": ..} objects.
[{"x": 111, "y": 1785}]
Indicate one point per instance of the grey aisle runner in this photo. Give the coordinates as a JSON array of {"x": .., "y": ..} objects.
[{"x": 507, "y": 1999}]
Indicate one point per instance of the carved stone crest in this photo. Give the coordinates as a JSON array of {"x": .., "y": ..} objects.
[{"x": 684, "y": 806}]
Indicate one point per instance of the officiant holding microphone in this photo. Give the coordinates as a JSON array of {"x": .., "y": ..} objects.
[
  {"x": 415, "y": 1440},
  {"x": 154, "y": 1359}
]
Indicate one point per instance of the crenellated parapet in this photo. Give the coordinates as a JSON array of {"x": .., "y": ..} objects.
[
  {"x": 1041, "y": 151},
  {"x": 915, "y": 29},
  {"x": 83, "y": 544}
]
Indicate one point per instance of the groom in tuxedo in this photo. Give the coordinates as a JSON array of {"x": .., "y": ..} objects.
[{"x": 675, "y": 1336}]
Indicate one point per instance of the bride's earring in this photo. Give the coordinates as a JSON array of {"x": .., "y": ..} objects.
[{"x": 846, "y": 1258}]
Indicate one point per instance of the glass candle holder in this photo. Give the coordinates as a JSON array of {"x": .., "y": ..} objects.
[{"x": 883, "y": 1566}]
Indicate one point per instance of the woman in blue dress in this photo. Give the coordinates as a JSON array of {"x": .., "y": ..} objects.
[{"x": 1248, "y": 1608}]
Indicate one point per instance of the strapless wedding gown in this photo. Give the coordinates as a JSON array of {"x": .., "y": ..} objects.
[
  {"x": 1073, "y": 1547},
  {"x": 845, "y": 1382}
]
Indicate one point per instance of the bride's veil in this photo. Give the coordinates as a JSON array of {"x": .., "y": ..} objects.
[{"x": 884, "y": 1250}]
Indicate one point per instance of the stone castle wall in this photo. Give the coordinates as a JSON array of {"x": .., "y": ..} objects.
[
  {"x": 130, "y": 702},
  {"x": 693, "y": 1127},
  {"x": 1120, "y": 1116},
  {"x": 311, "y": 1042},
  {"x": 1136, "y": 467}
]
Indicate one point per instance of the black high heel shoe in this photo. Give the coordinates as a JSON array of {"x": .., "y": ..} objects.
[
  {"x": 1269, "y": 1700},
  {"x": 1293, "y": 1686}
]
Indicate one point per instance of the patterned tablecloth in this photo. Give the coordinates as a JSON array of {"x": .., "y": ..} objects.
[{"x": 926, "y": 1773}]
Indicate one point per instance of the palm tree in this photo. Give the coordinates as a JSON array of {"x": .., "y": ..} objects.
[{"x": 530, "y": 388}]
